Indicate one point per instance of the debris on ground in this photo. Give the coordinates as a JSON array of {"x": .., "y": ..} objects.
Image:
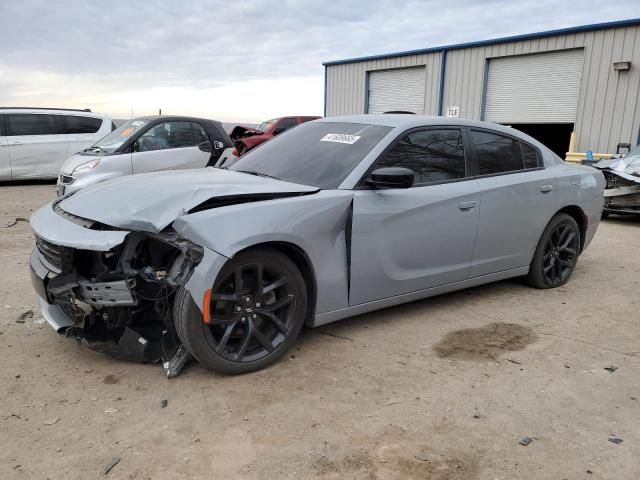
[
  {"x": 111, "y": 410},
  {"x": 334, "y": 335},
  {"x": 110, "y": 379},
  {"x": 24, "y": 315},
  {"x": 611, "y": 369},
  {"x": 53, "y": 421},
  {"x": 175, "y": 365},
  {"x": 39, "y": 321},
  {"x": 164, "y": 403},
  {"x": 513, "y": 361},
  {"x": 525, "y": 440},
  {"x": 15, "y": 222},
  {"x": 615, "y": 440},
  {"x": 111, "y": 464}
]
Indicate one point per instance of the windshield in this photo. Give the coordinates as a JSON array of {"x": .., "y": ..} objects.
[
  {"x": 115, "y": 139},
  {"x": 320, "y": 154},
  {"x": 264, "y": 126}
]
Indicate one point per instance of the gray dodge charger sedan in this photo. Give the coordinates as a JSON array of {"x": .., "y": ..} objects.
[{"x": 334, "y": 218}]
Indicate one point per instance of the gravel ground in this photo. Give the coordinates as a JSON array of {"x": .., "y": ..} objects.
[{"x": 439, "y": 389}]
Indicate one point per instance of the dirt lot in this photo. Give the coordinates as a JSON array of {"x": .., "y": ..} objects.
[{"x": 438, "y": 389}]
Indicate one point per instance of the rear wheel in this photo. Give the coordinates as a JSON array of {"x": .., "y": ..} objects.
[
  {"x": 557, "y": 252},
  {"x": 258, "y": 307}
]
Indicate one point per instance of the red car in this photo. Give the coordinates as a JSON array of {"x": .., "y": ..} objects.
[{"x": 246, "y": 138}]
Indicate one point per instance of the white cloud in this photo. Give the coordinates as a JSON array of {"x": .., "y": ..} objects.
[{"x": 236, "y": 60}]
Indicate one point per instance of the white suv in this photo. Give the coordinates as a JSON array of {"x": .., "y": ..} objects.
[{"x": 34, "y": 142}]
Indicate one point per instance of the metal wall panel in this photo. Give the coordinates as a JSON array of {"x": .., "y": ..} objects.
[
  {"x": 346, "y": 84},
  {"x": 397, "y": 89},
  {"x": 608, "y": 104},
  {"x": 534, "y": 88}
]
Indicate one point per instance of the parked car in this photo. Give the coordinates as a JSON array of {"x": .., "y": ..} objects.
[
  {"x": 336, "y": 218},
  {"x": 622, "y": 194},
  {"x": 247, "y": 138},
  {"x": 146, "y": 144},
  {"x": 34, "y": 142}
]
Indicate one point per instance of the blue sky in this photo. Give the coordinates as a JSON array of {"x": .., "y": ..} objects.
[{"x": 236, "y": 61}]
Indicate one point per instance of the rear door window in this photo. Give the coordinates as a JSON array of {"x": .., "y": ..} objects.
[
  {"x": 33, "y": 124},
  {"x": 78, "y": 124},
  {"x": 496, "y": 153}
]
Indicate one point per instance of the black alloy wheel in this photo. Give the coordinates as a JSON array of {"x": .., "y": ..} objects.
[
  {"x": 557, "y": 253},
  {"x": 257, "y": 308},
  {"x": 560, "y": 254},
  {"x": 251, "y": 312}
]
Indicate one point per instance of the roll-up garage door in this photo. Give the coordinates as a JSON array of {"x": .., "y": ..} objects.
[
  {"x": 397, "y": 89},
  {"x": 537, "y": 88}
]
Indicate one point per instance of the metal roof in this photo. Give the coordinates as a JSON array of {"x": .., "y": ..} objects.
[{"x": 481, "y": 43}]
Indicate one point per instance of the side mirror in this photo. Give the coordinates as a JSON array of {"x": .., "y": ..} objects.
[
  {"x": 135, "y": 147},
  {"x": 391, "y": 177},
  {"x": 205, "y": 147},
  {"x": 279, "y": 130}
]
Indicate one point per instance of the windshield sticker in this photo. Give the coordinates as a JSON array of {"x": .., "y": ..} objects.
[
  {"x": 126, "y": 132},
  {"x": 340, "y": 138},
  {"x": 137, "y": 123}
]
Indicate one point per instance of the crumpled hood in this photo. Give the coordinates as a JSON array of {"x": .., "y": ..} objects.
[
  {"x": 627, "y": 167},
  {"x": 151, "y": 201},
  {"x": 240, "y": 131}
]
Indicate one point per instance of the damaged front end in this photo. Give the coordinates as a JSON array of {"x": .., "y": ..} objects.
[
  {"x": 117, "y": 301},
  {"x": 622, "y": 192}
]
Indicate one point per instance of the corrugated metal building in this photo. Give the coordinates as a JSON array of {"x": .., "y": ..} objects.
[{"x": 584, "y": 80}]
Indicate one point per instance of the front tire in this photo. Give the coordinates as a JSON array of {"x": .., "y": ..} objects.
[
  {"x": 557, "y": 253},
  {"x": 258, "y": 307}
]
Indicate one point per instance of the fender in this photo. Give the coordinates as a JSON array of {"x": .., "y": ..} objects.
[{"x": 316, "y": 224}]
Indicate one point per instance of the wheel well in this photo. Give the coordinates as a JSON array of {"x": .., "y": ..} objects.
[
  {"x": 581, "y": 219},
  {"x": 302, "y": 261}
]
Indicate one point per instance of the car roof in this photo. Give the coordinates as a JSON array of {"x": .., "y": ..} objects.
[
  {"x": 59, "y": 111},
  {"x": 174, "y": 118},
  {"x": 406, "y": 121}
]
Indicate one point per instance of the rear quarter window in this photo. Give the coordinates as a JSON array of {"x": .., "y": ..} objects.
[
  {"x": 530, "y": 156},
  {"x": 496, "y": 153},
  {"x": 78, "y": 124}
]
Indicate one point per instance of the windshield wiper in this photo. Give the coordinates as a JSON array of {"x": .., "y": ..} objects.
[{"x": 257, "y": 174}]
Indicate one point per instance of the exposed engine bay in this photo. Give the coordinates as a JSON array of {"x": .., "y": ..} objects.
[
  {"x": 622, "y": 193},
  {"x": 121, "y": 300}
]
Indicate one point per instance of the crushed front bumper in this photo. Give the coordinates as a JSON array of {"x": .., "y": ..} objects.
[{"x": 53, "y": 314}]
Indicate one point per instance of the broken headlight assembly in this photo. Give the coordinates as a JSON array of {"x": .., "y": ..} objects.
[
  {"x": 85, "y": 167},
  {"x": 122, "y": 300}
]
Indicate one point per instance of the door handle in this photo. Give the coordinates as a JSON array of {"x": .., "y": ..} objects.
[
  {"x": 15, "y": 143},
  {"x": 546, "y": 188},
  {"x": 467, "y": 205}
]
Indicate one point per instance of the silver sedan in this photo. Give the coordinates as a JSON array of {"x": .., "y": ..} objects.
[{"x": 335, "y": 218}]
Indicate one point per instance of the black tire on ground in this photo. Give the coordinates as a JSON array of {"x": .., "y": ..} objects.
[
  {"x": 604, "y": 215},
  {"x": 258, "y": 326},
  {"x": 556, "y": 254}
]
